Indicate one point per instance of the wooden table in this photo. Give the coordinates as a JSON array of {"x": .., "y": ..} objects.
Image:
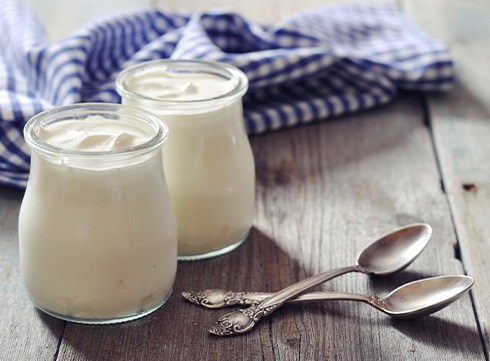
[{"x": 324, "y": 191}]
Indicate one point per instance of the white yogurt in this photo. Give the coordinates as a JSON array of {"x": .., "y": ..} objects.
[
  {"x": 93, "y": 134},
  {"x": 208, "y": 160},
  {"x": 161, "y": 84},
  {"x": 97, "y": 234}
]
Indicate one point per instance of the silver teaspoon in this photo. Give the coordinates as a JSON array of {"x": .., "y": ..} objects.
[
  {"x": 411, "y": 300},
  {"x": 389, "y": 254}
]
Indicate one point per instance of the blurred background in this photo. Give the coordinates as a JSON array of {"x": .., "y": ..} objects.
[{"x": 65, "y": 17}]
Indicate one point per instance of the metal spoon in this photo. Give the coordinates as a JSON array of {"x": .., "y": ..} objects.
[
  {"x": 411, "y": 300},
  {"x": 391, "y": 253}
]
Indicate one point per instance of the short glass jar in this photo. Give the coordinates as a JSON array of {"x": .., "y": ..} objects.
[
  {"x": 97, "y": 228},
  {"x": 208, "y": 159}
]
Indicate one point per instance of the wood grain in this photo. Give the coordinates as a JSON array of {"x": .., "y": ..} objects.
[
  {"x": 324, "y": 191},
  {"x": 461, "y": 127}
]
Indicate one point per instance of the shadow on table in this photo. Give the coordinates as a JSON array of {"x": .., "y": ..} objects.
[
  {"x": 259, "y": 264},
  {"x": 442, "y": 333},
  {"x": 55, "y": 325}
]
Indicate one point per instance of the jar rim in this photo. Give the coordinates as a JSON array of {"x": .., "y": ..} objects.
[
  {"x": 82, "y": 111},
  {"x": 192, "y": 64}
]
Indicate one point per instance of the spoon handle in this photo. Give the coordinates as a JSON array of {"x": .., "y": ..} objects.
[
  {"x": 278, "y": 298},
  {"x": 231, "y": 298}
]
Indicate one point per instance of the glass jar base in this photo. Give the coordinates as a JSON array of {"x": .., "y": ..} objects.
[
  {"x": 105, "y": 321},
  {"x": 214, "y": 253}
]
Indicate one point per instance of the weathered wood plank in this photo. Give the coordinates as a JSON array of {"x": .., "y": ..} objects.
[{"x": 461, "y": 124}]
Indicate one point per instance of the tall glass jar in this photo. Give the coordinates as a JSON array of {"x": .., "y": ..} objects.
[
  {"x": 97, "y": 229},
  {"x": 208, "y": 158}
]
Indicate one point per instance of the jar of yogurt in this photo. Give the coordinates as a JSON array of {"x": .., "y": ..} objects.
[
  {"x": 97, "y": 228},
  {"x": 208, "y": 158}
]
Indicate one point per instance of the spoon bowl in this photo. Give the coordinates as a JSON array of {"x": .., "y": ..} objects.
[
  {"x": 394, "y": 251},
  {"x": 426, "y": 296}
]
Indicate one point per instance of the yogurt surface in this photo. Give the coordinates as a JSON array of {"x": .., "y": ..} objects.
[
  {"x": 94, "y": 133},
  {"x": 161, "y": 84}
]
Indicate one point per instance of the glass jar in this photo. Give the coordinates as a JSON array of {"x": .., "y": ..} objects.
[
  {"x": 97, "y": 229},
  {"x": 208, "y": 159}
]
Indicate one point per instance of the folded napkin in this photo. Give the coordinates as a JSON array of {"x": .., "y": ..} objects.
[{"x": 315, "y": 65}]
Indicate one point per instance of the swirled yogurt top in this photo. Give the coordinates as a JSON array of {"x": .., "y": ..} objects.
[
  {"x": 94, "y": 133},
  {"x": 162, "y": 84}
]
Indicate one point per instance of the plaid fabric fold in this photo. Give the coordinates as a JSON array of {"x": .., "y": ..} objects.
[{"x": 317, "y": 64}]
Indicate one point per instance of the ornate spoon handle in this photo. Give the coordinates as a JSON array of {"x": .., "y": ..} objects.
[
  {"x": 244, "y": 319},
  {"x": 217, "y": 298}
]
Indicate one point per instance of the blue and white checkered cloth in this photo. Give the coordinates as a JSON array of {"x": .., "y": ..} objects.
[{"x": 315, "y": 65}]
